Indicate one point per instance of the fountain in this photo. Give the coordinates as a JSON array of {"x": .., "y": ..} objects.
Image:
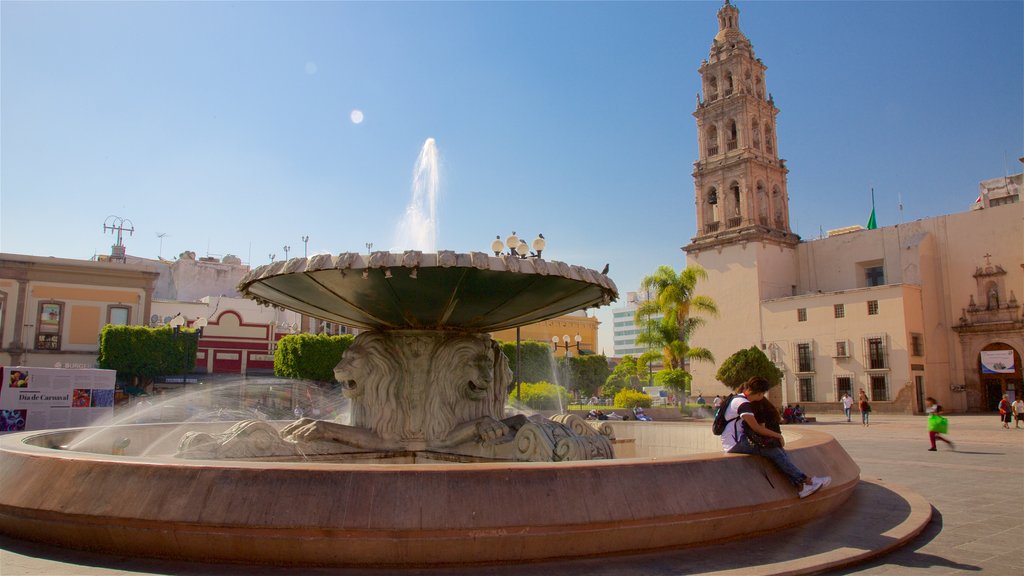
[{"x": 429, "y": 469}]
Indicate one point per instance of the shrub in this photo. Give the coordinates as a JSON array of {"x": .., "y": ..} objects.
[
  {"x": 541, "y": 396},
  {"x": 677, "y": 380},
  {"x": 145, "y": 353},
  {"x": 627, "y": 398},
  {"x": 536, "y": 360},
  {"x": 746, "y": 364},
  {"x": 310, "y": 356}
]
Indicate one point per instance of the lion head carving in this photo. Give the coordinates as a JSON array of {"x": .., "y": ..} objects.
[
  {"x": 468, "y": 379},
  {"x": 370, "y": 374}
]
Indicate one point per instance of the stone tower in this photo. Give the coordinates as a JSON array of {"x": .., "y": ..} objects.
[
  {"x": 739, "y": 179},
  {"x": 743, "y": 240}
]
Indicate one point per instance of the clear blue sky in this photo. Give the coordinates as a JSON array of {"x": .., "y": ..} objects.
[{"x": 228, "y": 126}]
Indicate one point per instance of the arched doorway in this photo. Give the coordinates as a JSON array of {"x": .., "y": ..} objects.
[{"x": 999, "y": 369}]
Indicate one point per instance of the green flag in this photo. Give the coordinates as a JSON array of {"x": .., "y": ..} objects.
[{"x": 871, "y": 221}]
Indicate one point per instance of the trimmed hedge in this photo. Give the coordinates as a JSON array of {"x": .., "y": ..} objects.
[
  {"x": 145, "y": 353},
  {"x": 627, "y": 398},
  {"x": 541, "y": 396},
  {"x": 745, "y": 364},
  {"x": 310, "y": 356},
  {"x": 536, "y": 358}
]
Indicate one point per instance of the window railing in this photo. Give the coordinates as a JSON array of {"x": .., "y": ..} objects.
[
  {"x": 735, "y": 221},
  {"x": 712, "y": 150},
  {"x": 711, "y": 227},
  {"x": 731, "y": 145}
]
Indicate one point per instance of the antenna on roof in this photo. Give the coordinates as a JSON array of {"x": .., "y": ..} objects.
[{"x": 116, "y": 223}]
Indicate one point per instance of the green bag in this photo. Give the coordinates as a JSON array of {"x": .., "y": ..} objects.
[{"x": 938, "y": 424}]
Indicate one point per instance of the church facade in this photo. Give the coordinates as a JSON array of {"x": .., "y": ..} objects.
[{"x": 926, "y": 308}]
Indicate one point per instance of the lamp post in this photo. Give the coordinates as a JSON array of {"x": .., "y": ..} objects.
[
  {"x": 198, "y": 324},
  {"x": 271, "y": 256},
  {"x": 305, "y": 246},
  {"x": 518, "y": 249},
  {"x": 286, "y": 249},
  {"x": 568, "y": 348}
]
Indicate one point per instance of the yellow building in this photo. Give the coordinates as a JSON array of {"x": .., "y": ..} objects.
[
  {"x": 571, "y": 325},
  {"x": 52, "y": 309}
]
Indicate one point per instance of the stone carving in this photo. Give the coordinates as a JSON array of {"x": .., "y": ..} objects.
[
  {"x": 542, "y": 440},
  {"x": 247, "y": 439},
  {"x": 582, "y": 427}
]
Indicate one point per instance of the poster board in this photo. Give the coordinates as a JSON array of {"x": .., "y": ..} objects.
[
  {"x": 33, "y": 398},
  {"x": 997, "y": 362}
]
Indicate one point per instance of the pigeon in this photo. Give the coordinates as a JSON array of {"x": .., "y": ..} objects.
[{"x": 605, "y": 269}]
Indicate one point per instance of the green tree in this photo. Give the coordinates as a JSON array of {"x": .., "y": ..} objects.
[
  {"x": 310, "y": 356},
  {"x": 629, "y": 373},
  {"x": 677, "y": 380},
  {"x": 589, "y": 373},
  {"x": 536, "y": 360},
  {"x": 140, "y": 354},
  {"x": 745, "y": 364},
  {"x": 675, "y": 300}
]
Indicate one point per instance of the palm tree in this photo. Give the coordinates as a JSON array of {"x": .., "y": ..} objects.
[{"x": 674, "y": 300}]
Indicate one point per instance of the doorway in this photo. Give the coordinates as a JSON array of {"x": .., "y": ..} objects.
[{"x": 993, "y": 393}]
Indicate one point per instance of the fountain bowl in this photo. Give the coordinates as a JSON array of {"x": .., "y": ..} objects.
[{"x": 676, "y": 490}]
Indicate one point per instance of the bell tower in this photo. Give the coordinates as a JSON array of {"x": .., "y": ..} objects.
[
  {"x": 743, "y": 240},
  {"x": 739, "y": 179}
]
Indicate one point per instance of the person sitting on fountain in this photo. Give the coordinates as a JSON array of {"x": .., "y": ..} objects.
[{"x": 744, "y": 435}]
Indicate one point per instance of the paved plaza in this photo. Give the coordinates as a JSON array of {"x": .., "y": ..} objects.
[{"x": 977, "y": 523}]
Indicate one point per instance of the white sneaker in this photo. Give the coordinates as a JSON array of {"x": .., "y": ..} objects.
[
  {"x": 811, "y": 488},
  {"x": 825, "y": 480}
]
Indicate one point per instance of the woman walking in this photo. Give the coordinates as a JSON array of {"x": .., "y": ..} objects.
[
  {"x": 937, "y": 424},
  {"x": 1004, "y": 411},
  {"x": 865, "y": 408}
]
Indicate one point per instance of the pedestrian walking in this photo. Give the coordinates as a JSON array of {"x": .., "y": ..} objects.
[
  {"x": 1018, "y": 412},
  {"x": 865, "y": 409},
  {"x": 1004, "y": 411},
  {"x": 937, "y": 423},
  {"x": 847, "y": 405}
]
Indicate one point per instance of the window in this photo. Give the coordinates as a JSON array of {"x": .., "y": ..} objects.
[
  {"x": 872, "y": 307},
  {"x": 801, "y": 314},
  {"x": 874, "y": 275},
  {"x": 844, "y": 385},
  {"x": 804, "y": 357},
  {"x": 48, "y": 330},
  {"x": 807, "y": 389},
  {"x": 916, "y": 345},
  {"x": 842, "y": 349},
  {"x": 876, "y": 353},
  {"x": 840, "y": 310},
  {"x": 879, "y": 387},
  {"x": 119, "y": 315}
]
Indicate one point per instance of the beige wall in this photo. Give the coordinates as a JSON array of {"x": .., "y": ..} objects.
[{"x": 570, "y": 325}]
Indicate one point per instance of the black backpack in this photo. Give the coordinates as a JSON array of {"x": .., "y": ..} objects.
[{"x": 718, "y": 426}]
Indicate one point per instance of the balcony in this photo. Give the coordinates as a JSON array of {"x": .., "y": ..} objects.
[
  {"x": 712, "y": 227},
  {"x": 735, "y": 221},
  {"x": 712, "y": 150},
  {"x": 731, "y": 145}
]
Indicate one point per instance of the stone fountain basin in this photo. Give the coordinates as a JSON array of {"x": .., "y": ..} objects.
[
  {"x": 472, "y": 292},
  {"x": 369, "y": 514}
]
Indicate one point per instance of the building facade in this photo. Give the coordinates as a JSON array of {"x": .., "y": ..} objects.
[
  {"x": 901, "y": 312},
  {"x": 571, "y": 325}
]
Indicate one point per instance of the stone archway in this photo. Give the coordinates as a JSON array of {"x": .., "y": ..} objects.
[{"x": 996, "y": 377}]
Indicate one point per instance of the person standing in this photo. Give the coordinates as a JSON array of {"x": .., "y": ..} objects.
[
  {"x": 865, "y": 409},
  {"x": 847, "y": 405},
  {"x": 1018, "y": 412},
  {"x": 936, "y": 426},
  {"x": 1004, "y": 411}
]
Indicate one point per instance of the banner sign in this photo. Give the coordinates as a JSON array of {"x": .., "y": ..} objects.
[
  {"x": 997, "y": 362},
  {"x": 33, "y": 398}
]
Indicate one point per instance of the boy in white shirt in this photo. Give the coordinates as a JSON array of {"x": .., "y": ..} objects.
[{"x": 740, "y": 421}]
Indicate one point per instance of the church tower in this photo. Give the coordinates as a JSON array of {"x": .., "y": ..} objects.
[
  {"x": 743, "y": 239},
  {"x": 739, "y": 179}
]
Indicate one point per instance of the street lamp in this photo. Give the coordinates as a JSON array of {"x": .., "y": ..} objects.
[
  {"x": 565, "y": 344},
  {"x": 286, "y": 249},
  {"x": 518, "y": 247},
  {"x": 305, "y": 246}
]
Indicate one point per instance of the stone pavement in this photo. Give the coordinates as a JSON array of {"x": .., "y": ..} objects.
[{"x": 977, "y": 523}]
